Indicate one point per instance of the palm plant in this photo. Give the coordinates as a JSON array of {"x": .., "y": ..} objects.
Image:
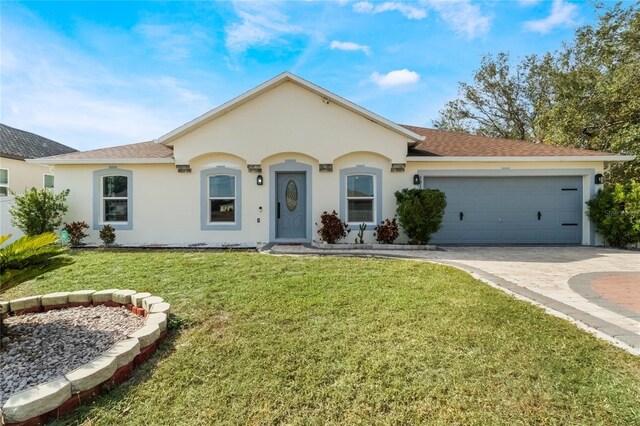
[{"x": 29, "y": 257}]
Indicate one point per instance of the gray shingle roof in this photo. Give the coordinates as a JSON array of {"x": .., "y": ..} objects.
[
  {"x": 140, "y": 150},
  {"x": 20, "y": 145}
]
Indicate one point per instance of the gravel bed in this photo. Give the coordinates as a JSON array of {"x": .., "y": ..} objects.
[{"x": 42, "y": 346}]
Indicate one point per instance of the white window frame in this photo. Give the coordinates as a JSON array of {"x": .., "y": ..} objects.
[
  {"x": 5, "y": 185},
  {"x": 44, "y": 181},
  {"x": 210, "y": 198},
  {"x": 372, "y": 198},
  {"x": 103, "y": 199}
]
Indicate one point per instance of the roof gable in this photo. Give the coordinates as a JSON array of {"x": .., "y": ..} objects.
[
  {"x": 19, "y": 144},
  {"x": 273, "y": 83}
]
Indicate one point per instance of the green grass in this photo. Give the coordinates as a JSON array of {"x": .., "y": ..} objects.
[{"x": 259, "y": 339}]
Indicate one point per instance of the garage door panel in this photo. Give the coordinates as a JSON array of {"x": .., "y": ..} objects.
[{"x": 505, "y": 210}]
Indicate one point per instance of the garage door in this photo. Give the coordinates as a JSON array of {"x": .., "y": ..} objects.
[{"x": 513, "y": 210}]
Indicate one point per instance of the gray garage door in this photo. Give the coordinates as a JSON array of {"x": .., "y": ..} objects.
[{"x": 513, "y": 210}]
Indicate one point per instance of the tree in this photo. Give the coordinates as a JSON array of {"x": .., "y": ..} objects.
[
  {"x": 594, "y": 96},
  {"x": 499, "y": 103},
  {"x": 586, "y": 95},
  {"x": 38, "y": 211}
]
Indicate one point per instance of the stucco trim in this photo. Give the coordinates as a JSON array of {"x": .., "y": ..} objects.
[
  {"x": 357, "y": 170},
  {"x": 522, "y": 159},
  {"x": 504, "y": 172},
  {"x": 275, "y": 82},
  {"x": 289, "y": 166},
  {"x": 98, "y": 223},
  {"x": 205, "y": 225}
]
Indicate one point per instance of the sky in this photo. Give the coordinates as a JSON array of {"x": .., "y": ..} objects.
[{"x": 97, "y": 74}]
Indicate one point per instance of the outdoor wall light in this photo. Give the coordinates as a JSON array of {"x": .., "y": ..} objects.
[
  {"x": 259, "y": 180},
  {"x": 599, "y": 179},
  {"x": 416, "y": 179}
]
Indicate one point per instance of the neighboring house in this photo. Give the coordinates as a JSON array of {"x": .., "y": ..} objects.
[
  {"x": 265, "y": 165},
  {"x": 16, "y": 175}
]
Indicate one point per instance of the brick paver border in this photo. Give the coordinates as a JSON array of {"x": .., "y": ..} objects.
[{"x": 581, "y": 284}]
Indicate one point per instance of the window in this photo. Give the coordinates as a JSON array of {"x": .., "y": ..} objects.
[
  {"x": 222, "y": 199},
  {"x": 361, "y": 195},
  {"x": 115, "y": 200},
  {"x": 48, "y": 181},
  {"x": 4, "y": 182},
  {"x": 360, "y": 199}
]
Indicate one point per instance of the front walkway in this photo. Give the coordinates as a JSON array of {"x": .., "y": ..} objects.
[{"x": 598, "y": 288}]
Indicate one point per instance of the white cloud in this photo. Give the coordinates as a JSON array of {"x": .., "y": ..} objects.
[
  {"x": 348, "y": 46},
  {"x": 172, "y": 41},
  {"x": 395, "y": 78},
  {"x": 562, "y": 15},
  {"x": 262, "y": 23},
  {"x": 527, "y": 3},
  {"x": 409, "y": 11},
  {"x": 52, "y": 87},
  {"x": 463, "y": 17}
]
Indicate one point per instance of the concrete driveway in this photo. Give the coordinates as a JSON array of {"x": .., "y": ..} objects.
[{"x": 597, "y": 288}]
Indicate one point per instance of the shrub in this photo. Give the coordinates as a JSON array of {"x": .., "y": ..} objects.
[
  {"x": 420, "y": 212},
  {"x": 76, "y": 232},
  {"x": 332, "y": 229},
  {"x": 387, "y": 231},
  {"x": 38, "y": 211},
  {"x": 108, "y": 235},
  {"x": 615, "y": 211}
]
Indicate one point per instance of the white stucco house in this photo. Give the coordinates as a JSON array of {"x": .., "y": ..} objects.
[
  {"x": 16, "y": 175},
  {"x": 264, "y": 166}
]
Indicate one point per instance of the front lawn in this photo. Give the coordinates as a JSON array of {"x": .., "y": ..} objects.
[{"x": 260, "y": 339}]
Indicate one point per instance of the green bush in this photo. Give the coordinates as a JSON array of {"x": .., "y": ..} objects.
[
  {"x": 615, "y": 211},
  {"x": 38, "y": 211},
  {"x": 420, "y": 212}
]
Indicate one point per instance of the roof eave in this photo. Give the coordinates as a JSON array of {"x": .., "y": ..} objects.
[
  {"x": 274, "y": 82},
  {"x": 609, "y": 158},
  {"x": 53, "y": 161},
  {"x": 12, "y": 157}
]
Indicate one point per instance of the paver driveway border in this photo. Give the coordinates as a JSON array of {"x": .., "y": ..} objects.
[
  {"x": 599, "y": 326},
  {"x": 620, "y": 337}
]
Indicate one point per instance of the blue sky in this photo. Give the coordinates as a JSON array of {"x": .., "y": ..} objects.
[{"x": 96, "y": 74}]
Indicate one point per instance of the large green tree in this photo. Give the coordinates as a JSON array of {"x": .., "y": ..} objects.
[
  {"x": 586, "y": 95},
  {"x": 498, "y": 103}
]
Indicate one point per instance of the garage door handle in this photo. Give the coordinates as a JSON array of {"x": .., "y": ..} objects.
[
  {"x": 539, "y": 215},
  {"x": 461, "y": 215}
]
